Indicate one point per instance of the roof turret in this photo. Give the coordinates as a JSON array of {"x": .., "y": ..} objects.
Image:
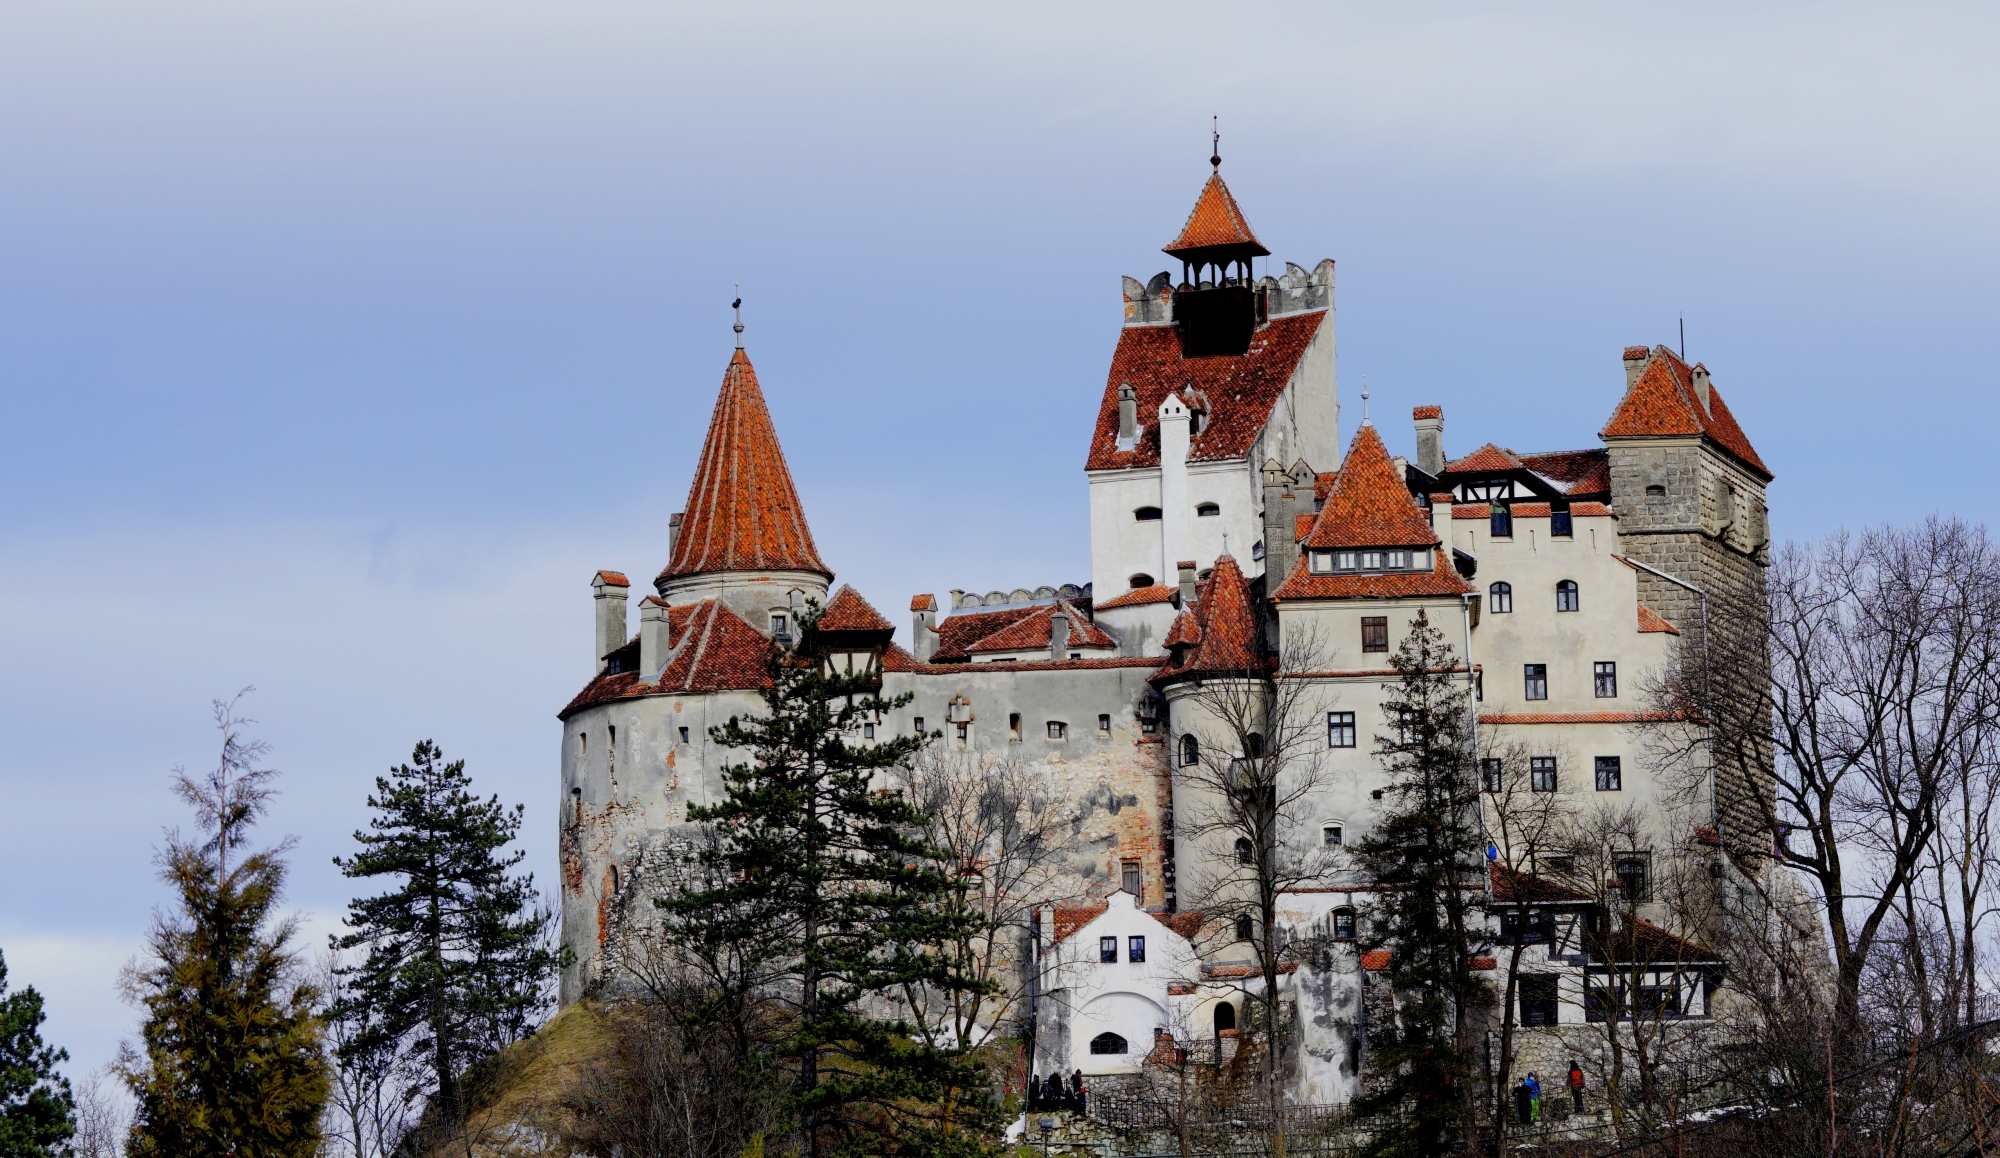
[{"x": 743, "y": 513}]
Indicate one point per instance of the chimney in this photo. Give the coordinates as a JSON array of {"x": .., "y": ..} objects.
[
  {"x": 609, "y": 589},
  {"x": 674, "y": 533},
  {"x": 1430, "y": 439},
  {"x": 1186, "y": 567},
  {"x": 923, "y": 627},
  {"x": 1636, "y": 358},
  {"x": 1059, "y": 635},
  {"x": 1700, "y": 374},
  {"x": 1279, "y": 538},
  {"x": 1128, "y": 416},
  {"x": 655, "y": 638}
]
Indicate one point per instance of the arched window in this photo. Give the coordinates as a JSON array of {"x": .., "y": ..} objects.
[
  {"x": 1206, "y": 510},
  {"x": 1146, "y": 514},
  {"x": 1246, "y": 853},
  {"x": 1566, "y": 595},
  {"x": 1140, "y": 580},
  {"x": 1190, "y": 750},
  {"x": 1253, "y": 745},
  {"x": 1500, "y": 598},
  {"x": 1107, "y": 1043},
  {"x": 1343, "y": 924},
  {"x": 1225, "y": 1016}
]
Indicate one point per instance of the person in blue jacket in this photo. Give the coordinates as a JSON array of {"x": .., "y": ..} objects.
[{"x": 1534, "y": 1085}]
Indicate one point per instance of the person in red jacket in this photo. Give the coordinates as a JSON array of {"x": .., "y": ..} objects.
[{"x": 1576, "y": 1084}]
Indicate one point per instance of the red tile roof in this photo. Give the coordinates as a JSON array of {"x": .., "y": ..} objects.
[
  {"x": 1440, "y": 580},
  {"x": 1481, "y": 964},
  {"x": 1241, "y": 389},
  {"x": 1229, "y": 635},
  {"x": 848, "y": 611},
  {"x": 961, "y": 629},
  {"x": 1214, "y": 222},
  {"x": 1649, "y": 620},
  {"x": 1488, "y": 457},
  {"x": 1302, "y": 526},
  {"x": 1067, "y": 919},
  {"x": 1186, "y": 631},
  {"x": 1032, "y": 631},
  {"x": 743, "y": 513},
  {"x": 1139, "y": 597},
  {"x": 1375, "y": 960},
  {"x": 1578, "y": 717},
  {"x": 716, "y": 650},
  {"x": 1643, "y": 942},
  {"x": 923, "y": 603},
  {"x": 1370, "y": 506},
  {"x": 1636, "y": 353},
  {"x": 614, "y": 579},
  {"x": 906, "y": 663},
  {"x": 1515, "y": 886},
  {"x": 1583, "y": 472},
  {"x": 1216, "y": 972},
  {"x": 1662, "y": 402},
  {"x": 1186, "y": 924},
  {"x": 1323, "y": 484},
  {"x": 1532, "y": 510},
  {"x": 1427, "y": 412}
]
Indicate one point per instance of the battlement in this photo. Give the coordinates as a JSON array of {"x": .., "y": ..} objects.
[
  {"x": 1019, "y": 597},
  {"x": 1299, "y": 290}
]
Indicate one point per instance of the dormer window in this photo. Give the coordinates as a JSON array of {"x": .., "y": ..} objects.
[
  {"x": 1399, "y": 560},
  {"x": 1344, "y": 560},
  {"x": 1322, "y": 562},
  {"x": 1371, "y": 560}
]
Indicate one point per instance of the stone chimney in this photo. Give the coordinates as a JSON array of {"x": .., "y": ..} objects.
[
  {"x": 1280, "y": 507},
  {"x": 1430, "y": 439},
  {"x": 674, "y": 532},
  {"x": 923, "y": 626},
  {"x": 609, "y": 590},
  {"x": 1128, "y": 416},
  {"x": 1636, "y": 358},
  {"x": 1700, "y": 375},
  {"x": 1059, "y": 635},
  {"x": 1186, "y": 567},
  {"x": 655, "y": 638}
]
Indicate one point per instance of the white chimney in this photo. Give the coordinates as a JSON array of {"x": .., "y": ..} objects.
[
  {"x": 609, "y": 590},
  {"x": 655, "y": 637}
]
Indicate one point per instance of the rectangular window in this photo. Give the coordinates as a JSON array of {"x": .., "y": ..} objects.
[
  {"x": 1536, "y": 678},
  {"x": 1501, "y": 521},
  {"x": 1130, "y": 879},
  {"x": 1104, "y": 722},
  {"x": 1399, "y": 560},
  {"x": 1489, "y": 774},
  {"x": 1605, "y": 676},
  {"x": 684, "y": 735},
  {"x": 1107, "y": 949},
  {"x": 918, "y": 726},
  {"x": 1322, "y": 562},
  {"x": 1634, "y": 877},
  {"x": 1013, "y": 725},
  {"x": 1057, "y": 729},
  {"x": 1479, "y": 679},
  {"x": 777, "y": 624},
  {"x": 1610, "y": 776},
  {"x": 1340, "y": 729},
  {"x": 1374, "y": 633},
  {"x": 1371, "y": 560},
  {"x": 1344, "y": 560},
  {"x": 1330, "y": 835},
  {"x": 1135, "y": 950},
  {"x": 1542, "y": 773},
  {"x": 964, "y": 732},
  {"x": 1538, "y": 999},
  {"x": 868, "y": 731},
  {"x": 1559, "y": 524}
]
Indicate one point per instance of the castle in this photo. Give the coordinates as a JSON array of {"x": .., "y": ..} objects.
[{"x": 1228, "y": 517}]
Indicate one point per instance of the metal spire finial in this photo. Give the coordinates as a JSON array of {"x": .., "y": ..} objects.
[
  {"x": 737, "y": 305},
  {"x": 1215, "y": 143},
  {"x": 1365, "y": 421}
]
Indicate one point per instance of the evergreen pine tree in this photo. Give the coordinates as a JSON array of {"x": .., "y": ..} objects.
[
  {"x": 37, "y": 1113},
  {"x": 1426, "y": 857},
  {"x": 458, "y": 960},
  {"x": 232, "y": 1060},
  {"x": 821, "y": 866}
]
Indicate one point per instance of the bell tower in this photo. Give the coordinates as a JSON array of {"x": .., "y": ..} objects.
[{"x": 1217, "y": 306}]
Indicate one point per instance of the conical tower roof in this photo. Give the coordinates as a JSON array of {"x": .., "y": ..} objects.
[
  {"x": 743, "y": 513},
  {"x": 1216, "y": 230}
]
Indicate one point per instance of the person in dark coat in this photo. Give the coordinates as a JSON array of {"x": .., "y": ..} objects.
[
  {"x": 1522, "y": 1095},
  {"x": 1078, "y": 1092}
]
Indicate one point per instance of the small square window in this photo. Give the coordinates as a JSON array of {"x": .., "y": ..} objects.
[
  {"x": 1340, "y": 729},
  {"x": 778, "y": 623},
  {"x": 1559, "y": 524},
  {"x": 918, "y": 725},
  {"x": 1542, "y": 773},
  {"x": 1135, "y": 950},
  {"x": 964, "y": 732},
  {"x": 1103, "y": 722},
  {"x": 868, "y": 731},
  {"x": 1374, "y": 633},
  {"x": 1107, "y": 949},
  {"x": 1535, "y": 680},
  {"x": 1371, "y": 560},
  {"x": 1605, "y": 677},
  {"x": 1322, "y": 562},
  {"x": 1057, "y": 729},
  {"x": 1343, "y": 924},
  {"x": 1489, "y": 774},
  {"x": 1399, "y": 560},
  {"x": 1330, "y": 835},
  {"x": 684, "y": 735},
  {"x": 1130, "y": 878},
  {"x": 1610, "y": 774}
]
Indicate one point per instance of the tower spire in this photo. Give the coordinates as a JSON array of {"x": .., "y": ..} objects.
[
  {"x": 1215, "y": 143},
  {"x": 737, "y": 305}
]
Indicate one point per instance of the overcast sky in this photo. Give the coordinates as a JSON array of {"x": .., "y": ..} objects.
[{"x": 340, "y": 343}]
